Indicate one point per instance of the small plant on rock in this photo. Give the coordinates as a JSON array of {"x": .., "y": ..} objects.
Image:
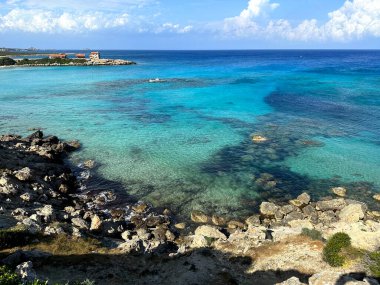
[
  {"x": 332, "y": 251},
  {"x": 312, "y": 233}
]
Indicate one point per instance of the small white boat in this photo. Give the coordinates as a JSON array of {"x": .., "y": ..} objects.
[{"x": 156, "y": 80}]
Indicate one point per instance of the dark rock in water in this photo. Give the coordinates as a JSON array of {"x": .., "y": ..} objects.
[{"x": 36, "y": 135}]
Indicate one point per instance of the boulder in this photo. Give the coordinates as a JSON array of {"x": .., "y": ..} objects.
[
  {"x": 24, "y": 174},
  {"x": 36, "y": 135},
  {"x": 80, "y": 223},
  {"x": 199, "y": 217},
  {"x": 235, "y": 225},
  {"x": 333, "y": 204},
  {"x": 304, "y": 198},
  {"x": 301, "y": 224},
  {"x": 268, "y": 209},
  {"x": 339, "y": 191},
  {"x": 291, "y": 281},
  {"x": 376, "y": 197},
  {"x": 26, "y": 272},
  {"x": 96, "y": 223},
  {"x": 210, "y": 231},
  {"x": 351, "y": 213},
  {"x": 218, "y": 221},
  {"x": 198, "y": 241},
  {"x": 253, "y": 221},
  {"x": 180, "y": 226}
]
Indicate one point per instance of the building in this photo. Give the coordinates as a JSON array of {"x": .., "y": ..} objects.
[
  {"x": 94, "y": 55},
  {"x": 57, "y": 55},
  {"x": 80, "y": 55}
]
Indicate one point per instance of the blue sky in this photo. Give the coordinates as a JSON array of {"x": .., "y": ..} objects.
[{"x": 193, "y": 24}]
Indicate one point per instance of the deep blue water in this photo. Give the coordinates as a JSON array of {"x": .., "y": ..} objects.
[{"x": 187, "y": 142}]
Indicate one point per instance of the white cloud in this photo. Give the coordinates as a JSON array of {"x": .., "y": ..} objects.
[
  {"x": 245, "y": 23},
  {"x": 354, "y": 20},
  {"x": 173, "y": 28},
  {"x": 46, "y": 21}
]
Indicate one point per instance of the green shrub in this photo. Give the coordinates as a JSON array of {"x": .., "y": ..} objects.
[
  {"x": 7, "y": 277},
  {"x": 332, "y": 250},
  {"x": 7, "y": 61},
  {"x": 375, "y": 263},
  {"x": 312, "y": 233}
]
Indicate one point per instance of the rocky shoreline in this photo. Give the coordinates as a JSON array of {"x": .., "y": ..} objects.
[{"x": 40, "y": 194}]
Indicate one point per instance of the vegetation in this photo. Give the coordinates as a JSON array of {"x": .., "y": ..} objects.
[
  {"x": 50, "y": 61},
  {"x": 375, "y": 263},
  {"x": 16, "y": 236},
  {"x": 332, "y": 251},
  {"x": 312, "y": 233},
  {"x": 5, "y": 61},
  {"x": 7, "y": 277}
]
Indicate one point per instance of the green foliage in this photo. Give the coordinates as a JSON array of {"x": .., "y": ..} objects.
[
  {"x": 7, "y": 277},
  {"x": 312, "y": 233},
  {"x": 375, "y": 263},
  {"x": 47, "y": 61},
  {"x": 16, "y": 236},
  {"x": 6, "y": 61},
  {"x": 38, "y": 282},
  {"x": 332, "y": 251}
]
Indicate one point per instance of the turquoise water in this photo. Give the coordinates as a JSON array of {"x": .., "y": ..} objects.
[{"x": 186, "y": 143}]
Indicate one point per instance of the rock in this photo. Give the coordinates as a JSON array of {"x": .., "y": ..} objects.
[
  {"x": 126, "y": 235},
  {"x": 170, "y": 236},
  {"x": 339, "y": 191},
  {"x": 26, "y": 272},
  {"x": 36, "y": 135},
  {"x": 291, "y": 281},
  {"x": 63, "y": 188},
  {"x": 218, "y": 221},
  {"x": 235, "y": 225},
  {"x": 328, "y": 277},
  {"x": 140, "y": 208},
  {"x": 80, "y": 223},
  {"x": 364, "y": 235},
  {"x": 268, "y": 209},
  {"x": 73, "y": 145},
  {"x": 180, "y": 226},
  {"x": 310, "y": 211},
  {"x": 301, "y": 224},
  {"x": 351, "y": 213},
  {"x": 32, "y": 226},
  {"x": 134, "y": 245},
  {"x": 26, "y": 197},
  {"x": 376, "y": 197},
  {"x": 304, "y": 198},
  {"x": 327, "y": 217},
  {"x": 334, "y": 204},
  {"x": 286, "y": 209},
  {"x": 210, "y": 231},
  {"x": 293, "y": 216},
  {"x": 253, "y": 221},
  {"x": 296, "y": 203},
  {"x": 8, "y": 186},
  {"x": 89, "y": 164},
  {"x": 23, "y": 174},
  {"x": 21, "y": 256},
  {"x": 46, "y": 211},
  {"x": 198, "y": 241},
  {"x": 96, "y": 223},
  {"x": 199, "y": 217},
  {"x": 259, "y": 139}
]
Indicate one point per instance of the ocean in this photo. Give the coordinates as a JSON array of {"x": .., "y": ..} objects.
[{"x": 186, "y": 142}]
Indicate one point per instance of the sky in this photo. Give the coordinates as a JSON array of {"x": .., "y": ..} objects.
[{"x": 191, "y": 24}]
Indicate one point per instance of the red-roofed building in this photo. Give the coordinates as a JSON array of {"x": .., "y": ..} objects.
[{"x": 80, "y": 55}]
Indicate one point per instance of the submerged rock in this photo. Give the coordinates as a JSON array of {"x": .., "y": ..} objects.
[
  {"x": 199, "y": 217},
  {"x": 339, "y": 191}
]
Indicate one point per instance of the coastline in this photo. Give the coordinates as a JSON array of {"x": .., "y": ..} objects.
[{"x": 42, "y": 194}]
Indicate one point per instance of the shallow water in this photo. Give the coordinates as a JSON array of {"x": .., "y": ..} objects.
[{"x": 186, "y": 143}]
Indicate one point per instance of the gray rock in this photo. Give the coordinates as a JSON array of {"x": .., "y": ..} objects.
[
  {"x": 210, "y": 231},
  {"x": 351, "y": 213},
  {"x": 80, "y": 223},
  {"x": 293, "y": 216},
  {"x": 24, "y": 174},
  {"x": 96, "y": 223},
  {"x": 291, "y": 281},
  {"x": 268, "y": 209},
  {"x": 304, "y": 198},
  {"x": 334, "y": 204},
  {"x": 26, "y": 272}
]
